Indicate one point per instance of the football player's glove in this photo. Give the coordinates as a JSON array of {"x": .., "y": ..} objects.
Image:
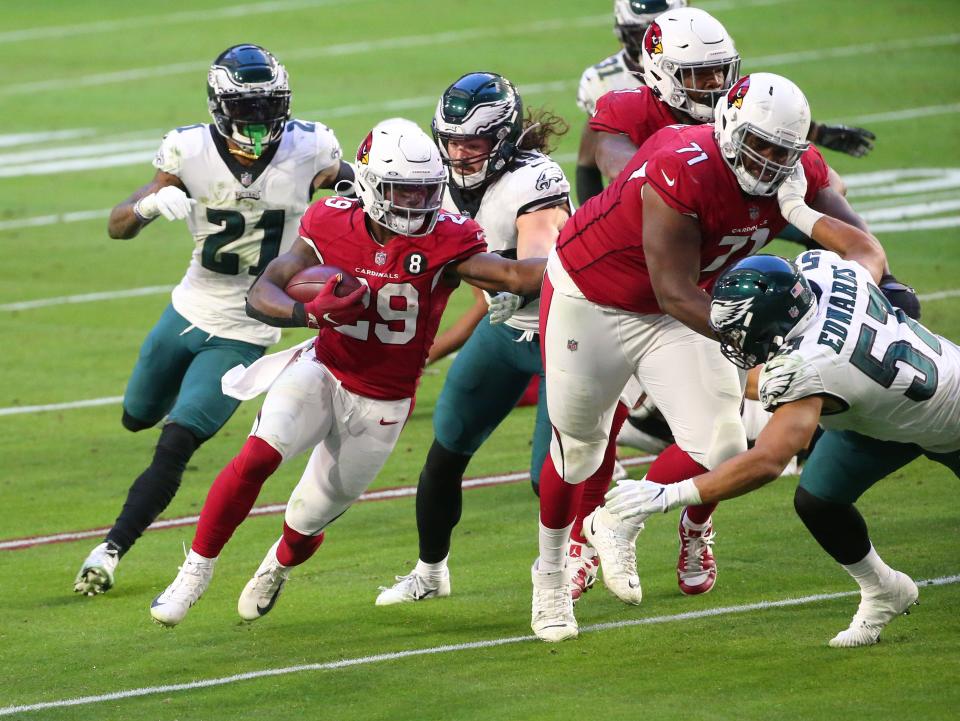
[
  {"x": 170, "y": 202},
  {"x": 900, "y": 295},
  {"x": 320, "y": 311},
  {"x": 640, "y": 499},
  {"x": 503, "y": 306},
  {"x": 844, "y": 139}
]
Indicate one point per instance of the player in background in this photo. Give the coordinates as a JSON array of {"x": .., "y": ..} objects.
[
  {"x": 500, "y": 175},
  {"x": 626, "y": 295},
  {"x": 625, "y": 70},
  {"x": 836, "y": 353},
  {"x": 346, "y": 397},
  {"x": 241, "y": 184}
]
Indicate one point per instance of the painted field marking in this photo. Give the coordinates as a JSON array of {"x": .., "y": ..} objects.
[
  {"x": 269, "y": 510},
  {"x": 450, "y": 648}
]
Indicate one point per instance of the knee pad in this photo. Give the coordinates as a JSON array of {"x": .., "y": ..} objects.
[
  {"x": 728, "y": 440},
  {"x": 575, "y": 460},
  {"x": 134, "y": 424},
  {"x": 257, "y": 460}
]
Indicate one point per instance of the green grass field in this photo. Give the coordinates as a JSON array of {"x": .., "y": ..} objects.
[{"x": 89, "y": 89}]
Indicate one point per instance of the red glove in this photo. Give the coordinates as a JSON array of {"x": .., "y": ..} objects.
[{"x": 327, "y": 309}]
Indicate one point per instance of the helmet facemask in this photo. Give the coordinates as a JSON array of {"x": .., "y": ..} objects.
[
  {"x": 698, "y": 87},
  {"x": 249, "y": 98},
  {"x": 407, "y": 207},
  {"x": 762, "y": 161}
]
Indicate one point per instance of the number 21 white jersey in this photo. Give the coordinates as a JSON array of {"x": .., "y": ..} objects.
[
  {"x": 896, "y": 380},
  {"x": 244, "y": 217}
]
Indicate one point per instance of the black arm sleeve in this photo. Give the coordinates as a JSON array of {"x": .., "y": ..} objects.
[
  {"x": 298, "y": 318},
  {"x": 589, "y": 183}
]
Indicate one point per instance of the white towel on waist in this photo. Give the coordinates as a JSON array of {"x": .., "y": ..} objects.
[{"x": 244, "y": 383}]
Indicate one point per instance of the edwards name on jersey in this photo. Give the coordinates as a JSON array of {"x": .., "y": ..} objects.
[
  {"x": 382, "y": 355},
  {"x": 244, "y": 217},
  {"x": 601, "y": 246},
  {"x": 892, "y": 378},
  {"x": 531, "y": 182}
]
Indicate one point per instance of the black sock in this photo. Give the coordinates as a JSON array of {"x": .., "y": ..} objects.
[
  {"x": 838, "y": 527},
  {"x": 439, "y": 501},
  {"x": 153, "y": 490}
]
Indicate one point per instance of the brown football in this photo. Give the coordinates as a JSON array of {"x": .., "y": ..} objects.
[{"x": 305, "y": 285}]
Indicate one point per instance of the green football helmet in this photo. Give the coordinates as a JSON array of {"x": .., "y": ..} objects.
[
  {"x": 758, "y": 304},
  {"x": 479, "y": 105}
]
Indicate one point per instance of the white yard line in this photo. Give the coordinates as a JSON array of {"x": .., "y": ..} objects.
[
  {"x": 387, "y": 494},
  {"x": 86, "y": 298},
  {"x": 450, "y": 648}
]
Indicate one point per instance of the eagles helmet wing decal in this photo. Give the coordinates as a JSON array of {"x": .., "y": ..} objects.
[
  {"x": 487, "y": 116},
  {"x": 724, "y": 313}
]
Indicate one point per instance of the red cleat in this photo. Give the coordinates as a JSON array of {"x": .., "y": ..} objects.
[{"x": 584, "y": 565}]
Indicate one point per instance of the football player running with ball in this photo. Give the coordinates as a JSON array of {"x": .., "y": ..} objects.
[
  {"x": 241, "y": 185},
  {"x": 627, "y": 294},
  {"x": 347, "y": 396},
  {"x": 836, "y": 353}
]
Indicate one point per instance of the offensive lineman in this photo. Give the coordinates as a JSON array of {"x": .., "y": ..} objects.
[
  {"x": 625, "y": 294},
  {"x": 348, "y": 395},
  {"x": 241, "y": 184},
  {"x": 837, "y": 353}
]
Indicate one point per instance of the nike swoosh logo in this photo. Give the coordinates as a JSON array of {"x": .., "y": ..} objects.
[
  {"x": 326, "y": 317},
  {"x": 388, "y": 423},
  {"x": 262, "y": 610},
  {"x": 671, "y": 183}
]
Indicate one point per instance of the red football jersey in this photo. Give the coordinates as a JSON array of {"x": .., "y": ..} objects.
[
  {"x": 636, "y": 113},
  {"x": 601, "y": 246},
  {"x": 382, "y": 355}
]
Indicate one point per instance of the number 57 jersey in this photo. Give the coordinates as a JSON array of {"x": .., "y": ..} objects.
[
  {"x": 601, "y": 246},
  {"x": 244, "y": 217},
  {"x": 891, "y": 378},
  {"x": 382, "y": 354}
]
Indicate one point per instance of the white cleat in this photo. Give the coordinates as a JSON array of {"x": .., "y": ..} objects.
[
  {"x": 171, "y": 606},
  {"x": 96, "y": 573},
  {"x": 552, "y": 610},
  {"x": 894, "y": 598},
  {"x": 619, "y": 472},
  {"x": 615, "y": 544},
  {"x": 261, "y": 592},
  {"x": 414, "y": 587}
]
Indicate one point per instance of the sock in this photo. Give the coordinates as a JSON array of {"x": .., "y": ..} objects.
[
  {"x": 597, "y": 485},
  {"x": 559, "y": 500},
  {"x": 553, "y": 548},
  {"x": 432, "y": 571},
  {"x": 675, "y": 465},
  {"x": 439, "y": 501},
  {"x": 153, "y": 489},
  {"x": 296, "y": 547},
  {"x": 233, "y": 494},
  {"x": 869, "y": 571}
]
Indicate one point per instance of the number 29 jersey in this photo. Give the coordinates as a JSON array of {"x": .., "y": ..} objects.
[
  {"x": 382, "y": 354},
  {"x": 601, "y": 246},
  {"x": 893, "y": 379},
  {"x": 244, "y": 217}
]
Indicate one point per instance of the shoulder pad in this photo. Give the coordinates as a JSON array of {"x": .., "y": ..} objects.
[{"x": 787, "y": 377}]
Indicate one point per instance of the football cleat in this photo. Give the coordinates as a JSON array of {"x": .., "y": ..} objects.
[
  {"x": 261, "y": 592},
  {"x": 615, "y": 544},
  {"x": 696, "y": 566},
  {"x": 414, "y": 587},
  {"x": 619, "y": 472},
  {"x": 171, "y": 606},
  {"x": 552, "y": 609},
  {"x": 96, "y": 573},
  {"x": 876, "y": 610},
  {"x": 584, "y": 565}
]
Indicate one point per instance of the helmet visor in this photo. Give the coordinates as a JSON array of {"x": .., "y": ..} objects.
[{"x": 257, "y": 109}]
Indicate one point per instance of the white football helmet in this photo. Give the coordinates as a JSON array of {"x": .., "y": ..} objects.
[
  {"x": 689, "y": 61},
  {"x": 400, "y": 177},
  {"x": 761, "y": 128},
  {"x": 633, "y": 17}
]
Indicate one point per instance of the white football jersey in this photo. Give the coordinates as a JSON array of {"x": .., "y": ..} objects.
[
  {"x": 895, "y": 379},
  {"x": 606, "y": 76},
  {"x": 244, "y": 217},
  {"x": 531, "y": 182}
]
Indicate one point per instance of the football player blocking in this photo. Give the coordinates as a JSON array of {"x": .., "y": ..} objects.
[
  {"x": 694, "y": 200},
  {"x": 346, "y": 396},
  {"x": 241, "y": 185},
  {"x": 837, "y": 353}
]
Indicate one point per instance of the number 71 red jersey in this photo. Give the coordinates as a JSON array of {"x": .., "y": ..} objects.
[
  {"x": 601, "y": 246},
  {"x": 382, "y": 355}
]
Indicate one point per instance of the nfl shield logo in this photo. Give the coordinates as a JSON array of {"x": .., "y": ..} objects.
[
  {"x": 754, "y": 212},
  {"x": 572, "y": 345},
  {"x": 246, "y": 179},
  {"x": 380, "y": 258}
]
